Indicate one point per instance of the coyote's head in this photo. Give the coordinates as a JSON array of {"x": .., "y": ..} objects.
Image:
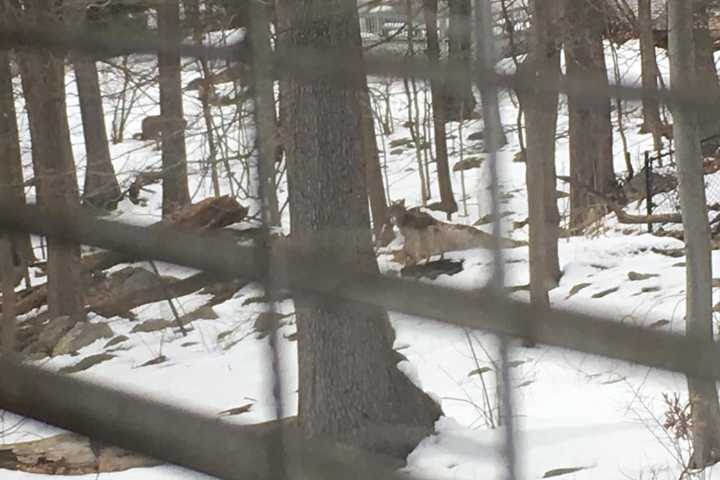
[{"x": 396, "y": 210}]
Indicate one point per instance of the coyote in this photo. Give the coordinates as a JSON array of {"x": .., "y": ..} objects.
[{"x": 424, "y": 236}]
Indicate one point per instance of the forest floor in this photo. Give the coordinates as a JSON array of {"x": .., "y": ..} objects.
[{"x": 577, "y": 415}]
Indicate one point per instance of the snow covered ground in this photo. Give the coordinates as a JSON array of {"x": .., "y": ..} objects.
[{"x": 578, "y": 415}]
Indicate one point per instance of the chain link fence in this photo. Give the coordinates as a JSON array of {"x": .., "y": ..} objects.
[{"x": 231, "y": 451}]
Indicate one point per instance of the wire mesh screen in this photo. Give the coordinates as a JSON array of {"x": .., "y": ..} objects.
[{"x": 308, "y": 266}]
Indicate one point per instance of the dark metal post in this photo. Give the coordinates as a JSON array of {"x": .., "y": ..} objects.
[{"x": 648, "y": 189}]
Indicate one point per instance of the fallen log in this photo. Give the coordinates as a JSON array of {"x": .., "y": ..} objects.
[
  {"x": 627, "y": 218},
  {"x": 69, "y": 454},
  {"x": 35, "y": 298},
  {"x": 209, "y": 214},
  {"x": 121, "y": 305}
]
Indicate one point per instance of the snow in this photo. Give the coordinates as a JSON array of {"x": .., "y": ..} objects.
[{"x": 572, "y": 410}]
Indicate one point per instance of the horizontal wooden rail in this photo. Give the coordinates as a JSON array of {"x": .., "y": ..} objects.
[{"x": 483, "y": 309}]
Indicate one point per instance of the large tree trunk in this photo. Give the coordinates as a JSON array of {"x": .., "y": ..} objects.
[
  {"x": 590, "y": 123},
  {"x": 350, "y": 387},
  {"x": 490, "y": 106},
  {"x": 174, "y": 158},
  {"x": 541, "y": 119},
  {"x": 9, "y": 316},
  {"x": 707, "y": 79},
  {"x": 43, "y": 76},
  {"x": 699, "y": 324},
  {"x": 650, "y": 73},
  {"x": 460, "y": 98},
  {"x": 101, "y": 186},
  {"x": 439, "y": 108},
  {"x": 11, "y": 174}
]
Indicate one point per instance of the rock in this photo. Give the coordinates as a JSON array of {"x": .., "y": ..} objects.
[
  {"x": 468, "y": 163},
  {"x": 400, "y": 142},
  {"x": 265, "y": 322},
  {"x": 479, "y": 135},
  {"x": 556, "y": 472},
  {"x": 576, "y": 288},
  {"x": 155, "y": 361},
  {"x": 397, "y": 151},
  {"x": 434, "y": 269},
  {"x": 635, "y": 276},
  {"x": 140, "y": 279},
  {"x": 659, "y": 323},
  {"x": 203, "y": 313},
  {"x": 669, "y": 252},
  {"x": 36, "y": 356},
  {"x": 81, "y": 335},
  {"x": 87, "y": 362},
  {"x": 152, "y": 325},
  {"x": 51, "y": 334},
  {"x": 605, "y": 293},
  {"x": 115, "y": 341}
]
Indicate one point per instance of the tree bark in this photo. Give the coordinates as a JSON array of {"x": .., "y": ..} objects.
[
  {"x": 174, "y": 158},
  {"x": 699, "y": 324},
  {"x": 459, "y": 97},
  {"x": 376, "y": 188},
  {"x": 350, "y": 387},
  {"x": 265, "y": 103},
  {"x": 707, "y": 79},
  {"x": 9, "y": 315},
  {"x": 439, "y": 108},
  {"x": 101, "y": 187},
  {"x": 490, "y": 106},
  {"x": 649, "y": 72},
  {"x": 12, "y": 191},
  {"x": 541, "y": 119},
  {"x": 43, "y": 76},
  {"x": 590, "y": 123}
]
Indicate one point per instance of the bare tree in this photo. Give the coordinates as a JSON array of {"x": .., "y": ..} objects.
[
  {"x": 174, "y": 157},
  {"x": 591, "y": 153},
  {"x": 193, "y": 12},
  {"x": 43, "y": 78},
  {"x": 490, "y": 107},
  {"x": 12, "y": 190},
  {"x": 101, "y": 187},
  {"x": 541, "y": 118},
  {"x": 265, "y": 99},
  {"x": 699, "y": 325},
  {"x": 460, "y": 99},
  {"x": 650, "y": 73},
  {"x": 349, "y": 385},
  {"x": 375, "y": 185},
  {"x": 707, "y": 76},
  {"x": 439, "y": 109}
]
